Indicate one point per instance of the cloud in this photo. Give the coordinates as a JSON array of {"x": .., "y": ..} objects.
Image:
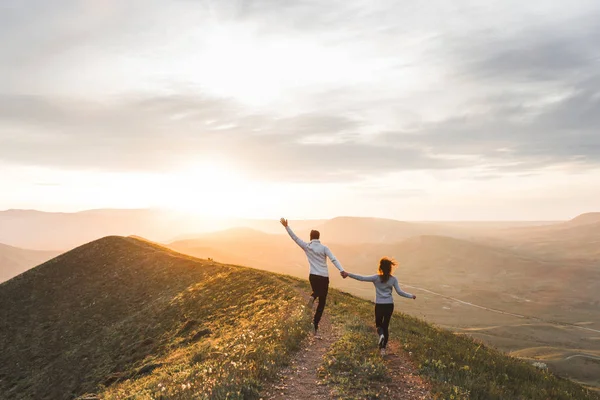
[
  {"x": 536, "y": 54},
  {"x": 155, "y": 134},
  {"x": 518, "y": 137},
  {"x": 465, "y": 86}
]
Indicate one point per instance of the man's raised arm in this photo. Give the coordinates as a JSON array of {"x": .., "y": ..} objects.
[{"x": 295, "y": 238}]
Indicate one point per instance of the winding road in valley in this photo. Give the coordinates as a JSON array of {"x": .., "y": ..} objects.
[
  {"x": 557, "y": 323},
  {"x": 583, "y": 356}
]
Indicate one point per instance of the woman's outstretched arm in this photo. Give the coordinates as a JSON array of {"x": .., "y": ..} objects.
[
  {"x": 365, "y": 278},
  {"x": 402, "y": 292}
]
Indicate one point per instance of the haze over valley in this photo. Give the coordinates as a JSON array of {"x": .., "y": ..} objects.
[{"x": 528, "y": 288}]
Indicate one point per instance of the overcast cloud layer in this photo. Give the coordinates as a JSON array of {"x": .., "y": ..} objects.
[{"x": 301, "y": 91}]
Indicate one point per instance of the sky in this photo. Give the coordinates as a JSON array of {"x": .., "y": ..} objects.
[{"x": 436, "y": 110}]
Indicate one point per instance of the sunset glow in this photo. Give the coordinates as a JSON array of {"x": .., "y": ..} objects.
[
  {"x": 262, "y": 108},
  {"x": 205, "y": 188}
]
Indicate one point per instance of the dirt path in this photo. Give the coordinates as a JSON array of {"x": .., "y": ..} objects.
[
  {"x": 405, "y": 383},
  {"x": 299, "y": 381}
]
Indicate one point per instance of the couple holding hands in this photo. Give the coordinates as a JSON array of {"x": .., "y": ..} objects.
[{"x": 384, "y": 282}]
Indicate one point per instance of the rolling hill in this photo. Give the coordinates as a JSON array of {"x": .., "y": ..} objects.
[
  {"x": 350, "y": 230},
  {"x": 361, "y": 230},
  {"x": 122, "y": 317},
  {"x": 577, "y": 239},
  {"x": 585, "y": 219},
  {"x": 119, "y": 309},
  {"x": 469, "y": 269},
  {"x": 39, "y": 230},
  {"x": 14, "y": 260},
  {"x": 64, "y": 231},
  {"x": 244, "y": 246},
  {"x": 468, "y": 287}
]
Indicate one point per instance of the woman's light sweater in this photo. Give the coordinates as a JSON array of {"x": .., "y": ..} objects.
[{"x": 383, "y": 289}]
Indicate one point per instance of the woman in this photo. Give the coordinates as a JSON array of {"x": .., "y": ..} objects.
[{"x": 384, "y": 303}]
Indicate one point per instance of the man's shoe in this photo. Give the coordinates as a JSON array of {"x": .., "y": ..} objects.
[{"x": 382, "y": 351}]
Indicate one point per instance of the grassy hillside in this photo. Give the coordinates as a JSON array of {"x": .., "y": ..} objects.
[
  {"x": 487, "y": 275},
  {"x": 124, "y": 318},
  {"x": 457, "y": 366},
  {"x": 120, "y": 316},
  {"x": 14, "y": 260},
  {"x": 446, "y": 272}
]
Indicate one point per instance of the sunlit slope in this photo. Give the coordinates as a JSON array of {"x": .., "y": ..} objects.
[
  {"x": 246, "y": 246},
  {"x": 125, "y": 318},
  {"x": 489, "y": 275},
  {"x": 462, "y": 285},
  {"x": 14, "y": 260},
  {"x": 361, "y": 230},
  {"x": 457, "y": 366},
  {"x": 120, "y": 315},
  {"x": 585, "y": 219}
]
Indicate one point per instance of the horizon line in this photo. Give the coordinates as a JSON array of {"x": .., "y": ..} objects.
[{"x": 166, "y": 210}]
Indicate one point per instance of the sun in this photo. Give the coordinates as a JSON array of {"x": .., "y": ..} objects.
[
  {"x": 221, "y": 188},
  {"x": 204, "y": 188},
  {"x": 215, "y": 189}
]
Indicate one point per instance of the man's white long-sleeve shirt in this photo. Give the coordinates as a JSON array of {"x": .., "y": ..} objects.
[{"x": 316, "y": 253}]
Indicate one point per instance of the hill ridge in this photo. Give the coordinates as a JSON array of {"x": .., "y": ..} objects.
[
  {"x": 120, "y": 317},
  {"x": 586, "y": 218}
]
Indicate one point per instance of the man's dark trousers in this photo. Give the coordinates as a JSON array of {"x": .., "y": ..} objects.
[{"x": 320, "y": 287}]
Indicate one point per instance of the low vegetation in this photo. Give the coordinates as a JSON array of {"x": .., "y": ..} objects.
[
  {"x": 352, "y": 366},
  {"x": 457, "y": 367},
  {"x": 231, "y": 341},
  {"x": 121, "y": 318}
]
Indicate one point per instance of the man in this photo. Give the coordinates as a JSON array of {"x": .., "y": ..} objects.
[{"x": 319, "y": 276}]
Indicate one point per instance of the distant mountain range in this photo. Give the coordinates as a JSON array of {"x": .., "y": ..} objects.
[
  {"x": 577, "y": 239},
  {"x": 14, "y": 260},
  {"x": 62, "y": 231}
]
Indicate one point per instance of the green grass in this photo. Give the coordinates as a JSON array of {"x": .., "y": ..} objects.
[
  {"x": 121, "y": 318},
  {"x": 250, "y": 339},
  {"x": 457, "y": 367},
  {"x": 124, "y": 319},
  {"x": 352, "y": 365}
]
